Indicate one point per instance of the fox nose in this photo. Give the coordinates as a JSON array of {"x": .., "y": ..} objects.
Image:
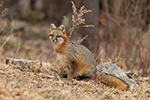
[{"x": 54, "y": 40}]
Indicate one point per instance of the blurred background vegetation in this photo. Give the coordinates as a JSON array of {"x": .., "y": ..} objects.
[{"x": 121, "y": 32}]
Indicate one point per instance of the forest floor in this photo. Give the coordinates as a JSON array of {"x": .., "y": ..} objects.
[{"x": 33, "y": 82}]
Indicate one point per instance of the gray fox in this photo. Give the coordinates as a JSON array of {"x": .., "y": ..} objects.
[{"x": 79, "y": 60}]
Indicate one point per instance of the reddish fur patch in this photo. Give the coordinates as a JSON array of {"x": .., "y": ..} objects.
[
  {"x": 49, "y": 34},
  {"x": 63, "y": 46},
  {"x": 111, "y": 81},
  {"x": 79, "y": 68}
]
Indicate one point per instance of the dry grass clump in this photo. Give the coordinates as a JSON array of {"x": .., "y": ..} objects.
[
  {"x": 3, "y": 26},
  {"x": 77, "y": 20},
  {"x": 126, "y": 34},
  {"x": 4, "y": 12},
  {"x": 3, "y": 22}
]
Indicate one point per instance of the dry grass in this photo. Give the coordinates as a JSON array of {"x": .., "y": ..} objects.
[
  {"x": 77, "y": 19},
  {"x": 29, "y": 84},
  {"x": 126, "y": 33}
]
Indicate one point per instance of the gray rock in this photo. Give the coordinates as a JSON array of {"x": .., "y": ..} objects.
[
  {"x": 19, "y": 25},
  {"x": 114, "y": 70}
]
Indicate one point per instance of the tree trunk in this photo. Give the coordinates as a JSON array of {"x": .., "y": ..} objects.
[
  {"x": 91, "y": 18},
  {"x": 56, "y": 9}
]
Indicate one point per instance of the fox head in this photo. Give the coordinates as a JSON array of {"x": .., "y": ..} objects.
[{"x": 57, "y": 36}]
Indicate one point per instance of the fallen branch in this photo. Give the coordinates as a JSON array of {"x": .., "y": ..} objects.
[{"x": 20, "y": 62}]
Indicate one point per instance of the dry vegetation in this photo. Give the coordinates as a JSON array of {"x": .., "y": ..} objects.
[
  {"x": 122, "y": 37},
  {"x": 126, "y": 33},
  {"x": 33, "y": 83}
]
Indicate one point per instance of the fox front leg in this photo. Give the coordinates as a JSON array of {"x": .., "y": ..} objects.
[{"x": 69, "y": 73}]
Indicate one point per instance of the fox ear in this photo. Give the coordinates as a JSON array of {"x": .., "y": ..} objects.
[
  {"x": 62, "y": 28},
  {"x": 52, "y": 26}
]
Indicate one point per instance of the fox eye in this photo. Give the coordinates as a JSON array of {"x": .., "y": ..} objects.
[
  {"x": 58, "y": 36},
  {"x": 51, "y": 35}
]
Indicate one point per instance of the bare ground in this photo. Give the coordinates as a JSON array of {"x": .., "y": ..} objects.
[{"x": 35, "y": 83}]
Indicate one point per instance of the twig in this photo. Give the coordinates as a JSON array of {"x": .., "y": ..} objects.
[
  {"x": 67, "y": 22},
  {"x": 76, "y": 18},
  {"x": 17, "y": 50},
  {"x": 85, "y": 26},
  {"x": 80, "y": 41},
  {"x": 6, "y": 40},
  {"x": 20, "y": 62}
]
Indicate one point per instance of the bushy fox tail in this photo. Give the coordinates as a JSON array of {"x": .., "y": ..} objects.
[{"x": 111, "y": 81}]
